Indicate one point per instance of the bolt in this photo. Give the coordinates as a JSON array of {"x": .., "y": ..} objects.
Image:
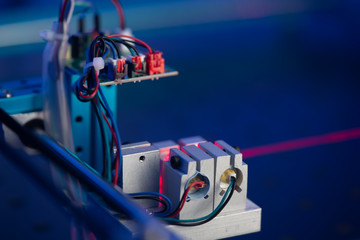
[
  {"x": 175, "y": 162},
  {"x": 6, "y": 94},
  {"x": 237, "y": 148}
]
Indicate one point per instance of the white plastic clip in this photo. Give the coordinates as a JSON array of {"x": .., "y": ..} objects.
[
  {"x": 232, "y": 175},
  {"x": 49, "y": 35},
  {"x": 98, "y": 63}
]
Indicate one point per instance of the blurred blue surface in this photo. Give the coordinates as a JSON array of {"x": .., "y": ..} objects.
[{"x": 254, "y": 81}]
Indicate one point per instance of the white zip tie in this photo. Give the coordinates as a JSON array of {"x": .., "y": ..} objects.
[
  {"x": 98, "y": 63},
  {"x": 49, "y": 35}
]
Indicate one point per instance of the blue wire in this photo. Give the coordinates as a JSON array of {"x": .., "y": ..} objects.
[
  {"x": 207, "y": 216},
  {"x": 107, "y": 153},
  {"x": 114, "y": 125},
  {"x": 112, "y": 49},
  {"x": 158, "y": 195},
  {"x": 106, "y": 53}
]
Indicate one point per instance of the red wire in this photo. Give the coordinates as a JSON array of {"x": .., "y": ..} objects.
[
  {"x": 116, "y": 176},
  {"x": 96, "y": 88},
  {"x": 138, "y": 40},
  {"x": 62, "y": 11},
  {"x": 201, "y": 183},
  {"x": 120, "y": 12},
  {"x": 94, "y": 92}
]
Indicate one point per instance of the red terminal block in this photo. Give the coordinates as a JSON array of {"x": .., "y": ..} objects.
[
  {"x": 115, "y": 68},
  {"x": 120, "y": 69},
  {"x": 136, "y": 66},
  {"x": 155, "y": 63},
  {"x": 137, "y": 62},
  {"x": 120, "y": 65}
]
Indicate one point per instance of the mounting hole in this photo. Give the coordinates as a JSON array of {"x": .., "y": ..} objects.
[
  {"x": 35, "y": 124},
  {"x": 78, "y": 119},
  {"x": 142, "y": 159},
  {"x": 79, "y": 149}
]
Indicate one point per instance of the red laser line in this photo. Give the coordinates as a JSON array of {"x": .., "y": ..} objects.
[{"x": 285, "y": 146}]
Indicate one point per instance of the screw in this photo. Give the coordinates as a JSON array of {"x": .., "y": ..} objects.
[
  {"x": 237, "y": 148},
  {"x": 175, "y": 162},
  {"x": 6, "y": 94}
]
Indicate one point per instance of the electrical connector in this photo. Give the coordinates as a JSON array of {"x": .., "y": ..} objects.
[
  {"x": 155, "y": 63},
  {"x": 115, "y": 68},
  {"x": 137, "y": 66}
]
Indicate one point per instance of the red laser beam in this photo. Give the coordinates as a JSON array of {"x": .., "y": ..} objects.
[{"x": 306, "y": 142}]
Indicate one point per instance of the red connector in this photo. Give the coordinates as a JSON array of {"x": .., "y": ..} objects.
[
  {"x": 120, "y": 63},
  {"x": 155, "y": 63},
  {"x": 138, "y": 62}
]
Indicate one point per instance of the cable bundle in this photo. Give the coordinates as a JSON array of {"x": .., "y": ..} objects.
[
  {"x": 199, "y": 221},
  {"x": 88, "y": 87}
]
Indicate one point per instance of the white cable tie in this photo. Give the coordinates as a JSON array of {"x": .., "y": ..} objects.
[
  {"x": 49, "y": 35},
  {"x": 98, "y": 63}
]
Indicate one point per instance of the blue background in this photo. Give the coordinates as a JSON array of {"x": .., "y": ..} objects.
[{"x": 276, "y": 71}]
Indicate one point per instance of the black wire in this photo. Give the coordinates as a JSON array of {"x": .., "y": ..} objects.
[
  {"x": 90, "y": 78},
  {"x": 103, "y": 139},
  {"x": 66, "y": 161},
  {"x": 114, "y": 44},
  {"x": 179, "y": 205},
  {"x": 136, "y": 43},
  {"x": 191, "y": 224},
  {"x": 155, "y": 198},
  {"x": 93, "y": 49},
  {"x": 129, "y": 46}
]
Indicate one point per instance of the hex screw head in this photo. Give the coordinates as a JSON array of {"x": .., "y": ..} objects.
[{"x": 175, "y": 162}]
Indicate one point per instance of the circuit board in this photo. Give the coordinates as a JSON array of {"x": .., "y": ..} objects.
[{"x": 169, "y": 72}]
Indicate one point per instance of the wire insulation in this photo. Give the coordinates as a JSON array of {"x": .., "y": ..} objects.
[
  {"x": 133, "y": 38},
  {"x": 159, "y": 196},
  {"x": 198, "y": 184},
  {"x": 120, "y": 12},
  {"x": 199, "y": 221}
]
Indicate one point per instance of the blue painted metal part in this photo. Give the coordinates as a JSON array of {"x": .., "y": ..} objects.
[
  {"x": 86, "y": 132},
  {"x": 24, "y": 96},
  {"x": 80, "y": 123}
]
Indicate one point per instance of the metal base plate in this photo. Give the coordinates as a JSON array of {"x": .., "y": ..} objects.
[{"x": 225, "y": 225}]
